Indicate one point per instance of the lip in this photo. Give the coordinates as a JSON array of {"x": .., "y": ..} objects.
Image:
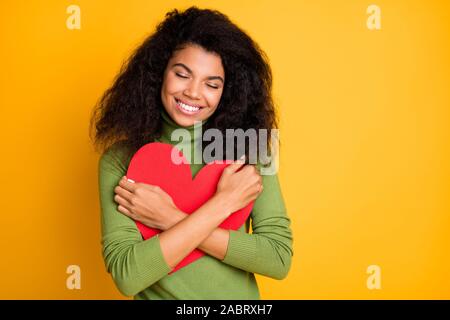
[{"x": 186, "y": 111}]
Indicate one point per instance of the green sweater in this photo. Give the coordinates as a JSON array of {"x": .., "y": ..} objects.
[{"x": 138, "y": 267}]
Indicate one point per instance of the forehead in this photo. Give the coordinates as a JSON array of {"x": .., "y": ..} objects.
[{"x": 198, "y": 60}]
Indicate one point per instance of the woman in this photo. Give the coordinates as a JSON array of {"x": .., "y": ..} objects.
[{"x": 198, "y": 67}]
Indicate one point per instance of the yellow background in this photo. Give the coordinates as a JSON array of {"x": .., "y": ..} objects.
[{"x": 364, "y": 131}]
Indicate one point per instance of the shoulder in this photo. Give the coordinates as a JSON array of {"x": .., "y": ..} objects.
[{"x": 116, "y": 156}]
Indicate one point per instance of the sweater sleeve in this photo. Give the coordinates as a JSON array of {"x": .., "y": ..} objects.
[
  {"x": 134, "y": 263},
  {"x": 268, "y": 250}
]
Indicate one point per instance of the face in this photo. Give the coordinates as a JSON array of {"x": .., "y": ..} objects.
[{"x": 192, "y": 85}]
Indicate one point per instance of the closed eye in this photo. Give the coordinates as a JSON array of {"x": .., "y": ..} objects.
[
  {"x": 184, "y": 77},
  {"x": 180, "y": 75}
]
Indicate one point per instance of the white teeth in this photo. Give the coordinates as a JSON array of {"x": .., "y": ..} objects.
[{"x": 187, "y": 107}]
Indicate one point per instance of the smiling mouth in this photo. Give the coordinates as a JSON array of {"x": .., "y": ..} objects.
[{"x": 187, "y": 109}]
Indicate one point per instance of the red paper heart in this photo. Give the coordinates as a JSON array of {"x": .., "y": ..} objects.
[{"x": 152, "y": 164}]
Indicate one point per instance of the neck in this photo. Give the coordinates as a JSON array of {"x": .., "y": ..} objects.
[{"x": 185, "y": 138}]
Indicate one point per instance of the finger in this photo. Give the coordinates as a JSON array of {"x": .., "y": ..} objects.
[
  {"x": 128, "y": 185},
  {"x": 123, "y": 202},
  {"x": 253, "y": 169},
  {"x": 127, "y": 195},
  {"x": 235, "y": 165},
  {"x": 125, "y": 211},
  {"x": 261, "y": 188}
]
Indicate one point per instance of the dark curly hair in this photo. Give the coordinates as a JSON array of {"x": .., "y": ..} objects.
[{"x": 129, "y": 111}]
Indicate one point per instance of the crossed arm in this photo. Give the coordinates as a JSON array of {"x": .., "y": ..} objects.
[
  {"x": 136, "y": 264},
  {"x": 215, "y": 244}
]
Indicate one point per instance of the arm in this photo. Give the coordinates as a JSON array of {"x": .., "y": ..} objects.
[
  {"x": 178, "y": 241},
  {"x": 215, "y": 245},
  {"x": 136, "y": 264},
  {"x": 268, "y": 250}
]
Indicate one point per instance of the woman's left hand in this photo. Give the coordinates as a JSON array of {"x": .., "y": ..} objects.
[{"x": 147, "y": 204}]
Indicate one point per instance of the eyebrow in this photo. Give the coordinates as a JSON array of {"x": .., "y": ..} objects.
[{"x": 190, "y": 71}]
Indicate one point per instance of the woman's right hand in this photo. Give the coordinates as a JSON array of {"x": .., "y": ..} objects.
[{"x": 239, "y": 188}]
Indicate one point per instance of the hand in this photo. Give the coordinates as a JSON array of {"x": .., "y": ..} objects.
[
  {"x": 239, "y": 188},
  {"x": 147, "y": 204}
]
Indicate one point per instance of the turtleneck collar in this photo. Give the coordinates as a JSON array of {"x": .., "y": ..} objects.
[
  {"x": 169, "y": 125},
  {"x": 191, "y": 141}
]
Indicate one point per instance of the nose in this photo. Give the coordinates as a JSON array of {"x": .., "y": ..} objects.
[{"x": 192, "y": 90}]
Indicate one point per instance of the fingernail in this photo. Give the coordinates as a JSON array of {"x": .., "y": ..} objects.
[{"x": 130, "y": 180}]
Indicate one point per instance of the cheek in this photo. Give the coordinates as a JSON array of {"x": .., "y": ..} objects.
[
  {"x": 173, "y": 85},
  {"x": 214, "y": 98}
]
